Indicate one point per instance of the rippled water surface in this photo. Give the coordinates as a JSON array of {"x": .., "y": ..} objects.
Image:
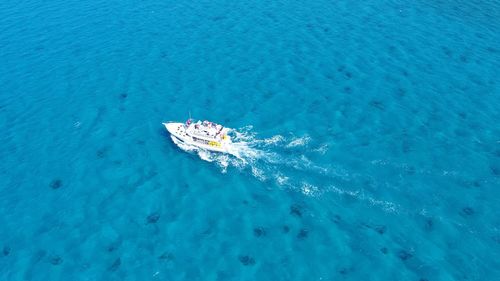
[{"x": 369, "y": 133}]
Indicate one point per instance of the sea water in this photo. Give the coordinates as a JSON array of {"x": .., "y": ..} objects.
[{"x": 368, "y": 132}]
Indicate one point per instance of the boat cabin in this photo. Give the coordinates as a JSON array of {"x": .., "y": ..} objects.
[{"x": 205, "y": 130}]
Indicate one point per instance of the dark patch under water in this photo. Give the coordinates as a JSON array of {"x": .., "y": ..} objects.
[
  {"x": 467, "y": 211},
  {"x": 296, "y": 210},
  {"x": 168, "y": 256},
  {"x": 246, "y": 260},
  {"x": 286, "y": 229},
  {"x": 259, "y": 231},
  {"x": 56, "y": 184},
  {"x": 404, "y": 255},
  {"x": 6, "y": 251},
  {"x": 153, "y": 218},
  {"x": 303, "y": 234},
  {"x": 115, "y": 265},
  {"x": 55, "y": 260}
]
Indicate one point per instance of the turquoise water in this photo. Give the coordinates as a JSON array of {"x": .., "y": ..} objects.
[{"x": 370, "y": 128}]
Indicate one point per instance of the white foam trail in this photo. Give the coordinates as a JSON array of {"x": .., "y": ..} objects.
[
  {"x": 387, "y": 206},
  {"x": 243, "y": 134},
  {"x": 241, "y": 154},
  {"x": 274, "y": 140},
  {"x": 244, "y": 152},
  {"x": 258, "y": 173},
  {"x": 322, "y": 149},
  {"x": 299, "y": 142},
  {"x": 205, "y": 155},
  {"x": 342, "y": 191},
  {"x": 309, "y": 189},
  {"x": 248, "y": 152},
  {"x": 281, "y": 179}
]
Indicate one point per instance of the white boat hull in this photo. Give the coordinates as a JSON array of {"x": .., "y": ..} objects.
[{"x": 178, "y": 131}]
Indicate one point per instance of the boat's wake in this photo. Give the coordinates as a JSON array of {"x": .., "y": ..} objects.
[{"x": 284, "y": 161}]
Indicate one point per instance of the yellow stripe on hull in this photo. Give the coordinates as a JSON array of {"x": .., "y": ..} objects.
[{"x": 214, "y": 143}]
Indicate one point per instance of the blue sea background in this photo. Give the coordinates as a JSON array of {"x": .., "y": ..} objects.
[{"x": 372, "y": 133}]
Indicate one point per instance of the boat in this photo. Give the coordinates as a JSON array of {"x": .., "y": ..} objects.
[{"x": 201, "y": 134}]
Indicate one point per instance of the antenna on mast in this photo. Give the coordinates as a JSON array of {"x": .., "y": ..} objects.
[{"x": 188, "y": 122}]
